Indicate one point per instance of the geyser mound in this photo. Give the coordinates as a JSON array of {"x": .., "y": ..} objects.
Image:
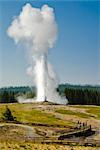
[{"x": 37, "y": 28}]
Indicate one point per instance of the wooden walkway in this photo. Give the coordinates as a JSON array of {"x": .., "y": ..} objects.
[{"x": 83, "y": 131}]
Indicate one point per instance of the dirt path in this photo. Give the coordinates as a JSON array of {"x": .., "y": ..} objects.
[{"x": 12, "y": 129}]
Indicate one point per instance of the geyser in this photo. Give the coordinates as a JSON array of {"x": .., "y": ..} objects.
[{"x": 38, "y": 29}]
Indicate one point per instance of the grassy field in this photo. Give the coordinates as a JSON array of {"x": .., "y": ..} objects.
[
  {"x": 95, "y": 111},
  {"x": 26, "y": 113},
  {"x": 54, "y": 119},
  {"x": 32, "y": 146},
  {"x": 70, "y": 112},
  {"x": 92, "y": 110}
]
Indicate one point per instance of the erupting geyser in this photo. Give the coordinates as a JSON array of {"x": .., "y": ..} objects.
[{"x": 37, "y": 28}]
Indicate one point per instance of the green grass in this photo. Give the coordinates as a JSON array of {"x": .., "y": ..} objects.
[
  {"x": 26, "y": 114},
  {"x": 84, "y": 106},
  {"x": 70, "y": 112},
  {"x": 95, "y": 111}
]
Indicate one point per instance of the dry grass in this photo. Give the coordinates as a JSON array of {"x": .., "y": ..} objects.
[{"x": 32, "y": 146}]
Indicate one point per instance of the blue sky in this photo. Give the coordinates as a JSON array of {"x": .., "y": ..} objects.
[{"x": 76, "y": 54}]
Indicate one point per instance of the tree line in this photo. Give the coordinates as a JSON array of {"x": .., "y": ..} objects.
[
  {"x": 82, "y": 97},
  {"x": 86, "y": 95},
  {"x": 7, "y": 97},
  {"x": 10, "y": 96}
]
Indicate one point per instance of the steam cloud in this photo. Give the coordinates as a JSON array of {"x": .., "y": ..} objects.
[{"x": 38, "y": 28}]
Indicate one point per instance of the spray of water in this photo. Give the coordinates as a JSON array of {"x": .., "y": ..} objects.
[{"x": 38, "y": 28}]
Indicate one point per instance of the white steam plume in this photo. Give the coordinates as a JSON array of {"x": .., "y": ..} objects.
[{"x": 38, "y": 28}]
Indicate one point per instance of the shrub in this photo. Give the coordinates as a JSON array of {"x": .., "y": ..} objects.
[{"x": 7, "y": 115}]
